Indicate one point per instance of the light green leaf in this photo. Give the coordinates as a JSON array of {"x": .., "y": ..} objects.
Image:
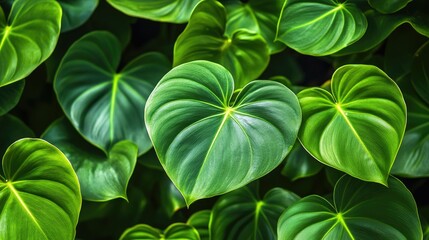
[
  {"x": 242, "y": 214},
  {"x": 174, "y": 11},
  {"x": 245, "y": 54},
  {"x": 320, "y": 27},
  {"x": 27, "y": 37},
  {"x": 10, "y": 95},
  {"x": 388, "y": 6},
  {"x": 300, "y": 164},
  {"x": 174, "y": 231},
  {"x": 209, "y": 143},
  {"x": 102, "y": 177},
  {"x": 256, "y": 16},
  {"x": 76, "y": 13},
  {"x": 104, "y": 104},
  {"x": 39, "y": 193},
  {"x": 359, "y": 210},
  {"x": 12, "y": 129},
  {"x": 200, "y": 221},
  {"x": 359, "y": 127}
]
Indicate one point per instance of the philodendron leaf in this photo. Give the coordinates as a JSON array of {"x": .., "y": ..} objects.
[
  {"x": 388, "y": 6},
  {"x": 174, "y": 11},
  {"x": 10, "y": 95},
  {"x": 200, "y": 221},
  {"x": 39, "y": 193},
  {"x": 256, "y": 16},
  {"x": 106, "y": 105},
  {"x": 76, "y": 13},
  {"x": 210, "y": 144},
  {"x": 12, "y": 129},
  {"x": 27, "y": 37},
  {"x": 359, "y": 210},
  {"x": 300, "y": 164},
  {"x": 102, "y": 177},
  {"x": 174, "y": 231},
  {"x": 245, "y": 54},
  {"x": 358, "y": 128},
  {"x": 242, "y": 214},
  {"x": 420, "y": 72},
  {"x": 320, "y": 27}
]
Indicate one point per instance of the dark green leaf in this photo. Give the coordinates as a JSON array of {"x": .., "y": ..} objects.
[
  {"x": 388, "y": 6},
  {"x": 200, "y": 221},
  {"x": 12, "y": 129},
  {"x": 76, "y": 12},
  {"x": 300, "y": 164},
  {"x": 174, "y": 231},
  {"x": 10, "y": 95},
  {"x": 420, "y": 72}
]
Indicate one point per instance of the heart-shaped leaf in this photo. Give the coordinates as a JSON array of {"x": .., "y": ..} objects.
[
  {"x": 256, "y": 16},
  {"x": 300, "y": 164},
  {"x": 104, "y": 105},
  {"x": 175, "y": 11},
  {"x": 76, "y": 12},
  {"x": 359, "y": 210},
  {"x": 245, "y": 54},
  {"x": 242, "y": 214},
  {"x": 358, "y": 128},
  {"x": 210, "y": 144},
  {"x": 27, "y": 37},
  {"x": 200, "y": 221},
  {"x": 102, "y": 177},
  {"x": 174, "y": 231},
  {"x": 388, "y": 6},
  {"x": 320, "y": 27},
  {"x": 39, "y": 193},
  {"x": 10, "y": 95}
]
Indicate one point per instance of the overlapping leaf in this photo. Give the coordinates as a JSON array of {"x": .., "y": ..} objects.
[
  {"x": 209, "y": 143},
  {"x": 102, "y": 177},
  {"x": 10, "y": 95},
  {"x": 39, "y": 193},
  {"x": 245, "y": 54},
  {"x": 359, "y": 210},
  {"x": 320, "y": 27},
  {"x": 76, "y": 12},
  {"x": 359, "y": 127},
  {"x": 27, "y": 37},
  {"x": 106, "y": 105},
  {"x": 12, "y": 129},
  {"x": 174, "y": 231},
  {"x": 300, "y": 164},
  {"x": 388, "y": 6},
  {"x": 200, "y": 221}
]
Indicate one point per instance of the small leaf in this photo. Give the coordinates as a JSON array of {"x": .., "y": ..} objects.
[
  {"x": 300, "y": 164},
  {"x": 420, "y": 72},
  {"x": 12, "y": 129},
  {"x": 200, "y": 221},
  {"x": 27, "y": 37},
  {"x": 245, "y": 54},
  {"x": 104, "y": 105},
  {"x": 359, "y": 210},
  {"x": 210, "y": 144},
  {"x": 359, "y": 127},
  {"x": 174, "y": 11},
  {"x": 10, "y": 95},
  {"x": 39, "y": 193},
  {"x": 242, "y": 214},
  {"x": 102, "y": 177},
  {"x": 76, "y": 13},
  {"x": 388, "y": 6},
  {"x": 174, "y": 231},
  {"x": 320, "y": 27}
]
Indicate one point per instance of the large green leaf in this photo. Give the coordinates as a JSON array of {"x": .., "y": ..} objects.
[
  {"x": 359, "y": 210},
  {"x": 10, "y": 95},
  {"x": 242, "y": 214},
  {"x": 76, "y": 12},
  {"x": 388, "y": 6},
  {"x": 245, "y": 54},
  {"x": 300, "y": 164},
  {"x": 209, "y": 143},
  {"x": 175, "y": 11},
  {"x": 257, "y": 16},
  {"x": 12, "y": 129},
  {"x": 27, "y": 37},
  {"x": 175, "y": 231},
  {"x": 39, "y": 193},
  {"x": 200, "y": 221},
  {"x": 102, "y": 177},
  {"x": 104, "y": 104},
  {"x": 320, "y": 27},
  {"x": 358, "y": 128}
]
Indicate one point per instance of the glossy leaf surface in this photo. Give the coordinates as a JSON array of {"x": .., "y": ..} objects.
[
  {"x": 256, "y": 16},
  {"x": 210, "y": 144},
  {"x": 39, "y": 193},
  {"x": 200, "y": 221},
  {"x": 175, "y": 11},
  {"x": 320, "y": 27},
  {"x": 10, "y": 95},
  {"x": 388, "y": 6},
  {"x": 242, "y": 214},
  {"x": 76, "y": 13},
  {"x": 174, "y": 231},
  {"x": 106, "y": 105},
  {"x": 245, "y": 54},
  {"x": 300, "y": 164},
  {"x": 102, "y": 177},
  {"x": 359, "y": 210},
  {"x": 358, "y": 128},
  {"x": 27, "y": 37}
]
